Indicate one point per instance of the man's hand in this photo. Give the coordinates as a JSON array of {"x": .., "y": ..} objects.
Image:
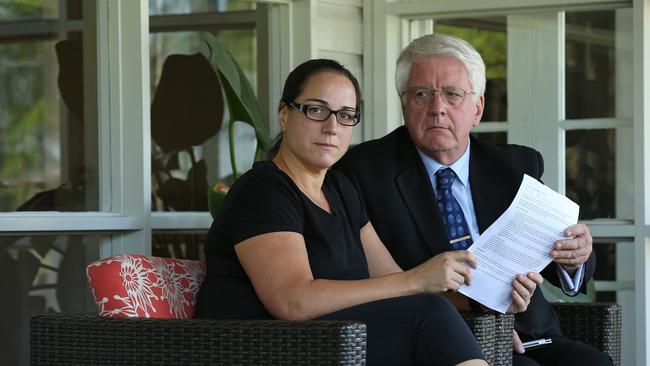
[
  {"x": 522, "y": 290},
  {"x": 444, "y": 272},
  {"x": 575, "y": 250}
]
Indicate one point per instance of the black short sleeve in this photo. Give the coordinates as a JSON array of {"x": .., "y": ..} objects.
[{"x": 264, "y": 201}]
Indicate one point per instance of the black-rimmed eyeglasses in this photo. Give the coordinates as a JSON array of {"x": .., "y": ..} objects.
[
  {"x": 320, "y": 113},
  {"x": 450, "y": 94}
]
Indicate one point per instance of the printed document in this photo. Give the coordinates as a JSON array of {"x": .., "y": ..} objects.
[{"x": 520, "y": 241}]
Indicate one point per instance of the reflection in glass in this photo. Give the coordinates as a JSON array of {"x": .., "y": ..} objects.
[
  {"x": 42, "y": 274},
  {"x": 160, "y": 7},
  {"x": 488, "y": 36},
  {"x": 606, "y": 296},
  {"x": 605, "y": 268},
  {"x": 606, "y": 256},
  {"x": 16, "y": 10},
  {"x": 493, "y": 137},
  {"x": 590, "y": 64},
  {"x": 590, "y": 172},
  {"x": 178, "y": 244},
  {"x": 190, "y": 141},
  {"x": 48, "y": 124}
]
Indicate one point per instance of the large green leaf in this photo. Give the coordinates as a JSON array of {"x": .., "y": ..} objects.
[
  {"x": 242, "y": 103},
  {"x": 252, "y": 105},
  {"x": 222, "y": 62},
  {"x": 555, "y": 294}
]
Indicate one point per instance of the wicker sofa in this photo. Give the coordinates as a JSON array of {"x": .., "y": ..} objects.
[
  {"x": 145, "y": 308},
  {"x": 89, "y": 339}
]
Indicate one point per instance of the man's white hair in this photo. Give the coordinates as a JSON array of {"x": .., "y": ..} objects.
[{"x": 435, "y": 45}]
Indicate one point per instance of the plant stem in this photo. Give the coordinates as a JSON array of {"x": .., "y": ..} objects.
[
  {"x": 258, "y": 153},
  {"x": 231, "y": 141}
]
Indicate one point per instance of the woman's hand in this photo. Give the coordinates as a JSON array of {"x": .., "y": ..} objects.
[
  {"x": 523, "y": 288},
  {"x": 444, "y": 272}
]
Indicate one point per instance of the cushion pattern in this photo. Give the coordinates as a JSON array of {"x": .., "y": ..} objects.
[{"x": 135, "y": 285}]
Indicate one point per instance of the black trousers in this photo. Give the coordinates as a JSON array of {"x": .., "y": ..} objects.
[
  {"x": 413, "y": 330},
  {"x": 563, "y": 351}
]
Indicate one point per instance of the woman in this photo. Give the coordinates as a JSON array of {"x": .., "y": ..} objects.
[{"x": 292, "y": 240}]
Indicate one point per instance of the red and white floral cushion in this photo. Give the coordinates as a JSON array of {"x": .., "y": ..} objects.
[{"x": 135, "y": 285}]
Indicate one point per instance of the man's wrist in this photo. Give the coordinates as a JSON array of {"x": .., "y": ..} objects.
[
  {"x": 570, "y": 269},
  {"x": 571, "y": 281}
]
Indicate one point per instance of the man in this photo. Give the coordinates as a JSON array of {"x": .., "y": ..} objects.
[{"x": 432, "y": 164}]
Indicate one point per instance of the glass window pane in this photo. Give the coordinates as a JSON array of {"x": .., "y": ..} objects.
[
  {"x": 178, "y": 244},
  {"x": 16, "y": 10},
  {"x": 606, "y": 256},
  {"x": 159, "y": 7},
  {"x": 590, "y": 172},
  {"x": 606, "y": 296},
  {"x": 189, "y": 119},
  {"x": 488, "y": 36},
  {"x": 493, "y": 137},
  {"x": 48, "y": 124},
  {"x": 590, "y": 49},
  {"x": 47, "y": 275}
]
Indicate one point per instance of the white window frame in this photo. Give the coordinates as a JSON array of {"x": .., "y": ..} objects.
[
  {"x": 122, "y": 32},
  {"x": 124, "y": 153}
]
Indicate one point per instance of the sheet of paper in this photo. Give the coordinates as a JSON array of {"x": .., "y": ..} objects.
[{"x": 518, "y": 242}]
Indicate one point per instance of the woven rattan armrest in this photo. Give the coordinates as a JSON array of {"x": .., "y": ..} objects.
[
  {"x": 596, "y": 324},
  {"x": 493, "y": 332},
  {"x": 92, "y": 340}
]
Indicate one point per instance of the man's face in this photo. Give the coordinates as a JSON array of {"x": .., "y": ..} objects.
[{"x": 438, "y": 128}]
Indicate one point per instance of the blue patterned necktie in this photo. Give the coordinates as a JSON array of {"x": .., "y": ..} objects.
[{"x": 450, "y": 211}]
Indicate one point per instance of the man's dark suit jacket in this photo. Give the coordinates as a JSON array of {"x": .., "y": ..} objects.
[{"x": 390, "y": 176}]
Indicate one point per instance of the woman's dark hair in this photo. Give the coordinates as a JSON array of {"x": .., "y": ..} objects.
[{"x": 298, "y": 78}]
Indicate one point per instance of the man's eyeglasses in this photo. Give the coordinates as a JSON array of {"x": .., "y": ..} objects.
[
  {"x": 320, "y": 113},
  {"x": 450, "y": 94}
]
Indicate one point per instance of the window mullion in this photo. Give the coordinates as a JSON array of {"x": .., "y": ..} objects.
[
  {"x": 535, "y": 89},
  {"x": 130, "y": 141}
]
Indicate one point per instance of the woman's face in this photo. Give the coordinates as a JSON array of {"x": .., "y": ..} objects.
[{"x": 318, "y": 145}]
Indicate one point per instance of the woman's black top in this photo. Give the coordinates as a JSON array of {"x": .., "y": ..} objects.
[{"x": 266, "y": 200}]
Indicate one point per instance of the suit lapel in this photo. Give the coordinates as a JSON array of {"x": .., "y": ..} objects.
[
  {"x": 488, "y": 189},
  {"x": 415, "y": 188},
  {"x": 490, "y": 192}
]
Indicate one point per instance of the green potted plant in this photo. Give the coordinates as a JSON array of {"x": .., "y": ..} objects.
[{"x": 243, "y": 107}]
